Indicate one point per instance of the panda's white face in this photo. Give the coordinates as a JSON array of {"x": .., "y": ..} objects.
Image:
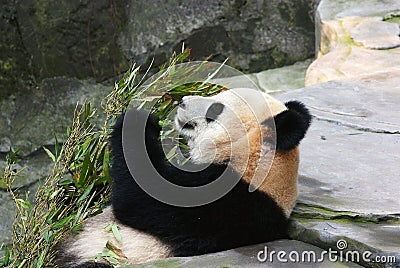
[
  {"x": 205, "y": 123},
  {"x": 218, "y": 127}
]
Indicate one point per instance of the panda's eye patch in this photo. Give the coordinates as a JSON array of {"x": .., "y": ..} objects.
[
  {"x": 213, "y": 111},
  {"x": 188, "y": 125}
]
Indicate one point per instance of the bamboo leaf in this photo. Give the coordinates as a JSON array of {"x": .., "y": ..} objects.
[
  {"x": 84, "y": 171},
  {"x": 117, "y": 235},
  {"x": 85, "y": 193},
  {"x": 61, "y": 223},
  {"x": 50, "y": 154}
]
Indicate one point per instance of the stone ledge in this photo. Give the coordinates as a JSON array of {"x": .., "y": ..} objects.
[
  {"x": 347, "y": 40},
  {"x": 247, "y": 257}
]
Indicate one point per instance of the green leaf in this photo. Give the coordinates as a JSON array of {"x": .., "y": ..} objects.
[
  {"x": 55, "y": 193},
  {"x": 87, "y": 111},
  {"x": 85, "y": 193},
  {"x": 116, "y": 233},
  {"x": 76, "y": 229},
  {"x": 53, "y": 215},
  {"x": 6, "y": 258},
  {"x": 61, "y": 223},
  {"x": 106, "y": 161},
  {"x": 57, "y": 148},
  {"x": 108, "y": 227},
  {"x": 65, "y": 182},
  {"x": 114, "y": 261},
  {"x": 12, "y": 157},
  {"x": 84, "y": 171},
  {"x": 82, "y": 150},
  {"x": 3, "y": 184}
]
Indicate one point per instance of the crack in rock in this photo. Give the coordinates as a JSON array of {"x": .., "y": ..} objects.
[{"x": 356, "y": 127}]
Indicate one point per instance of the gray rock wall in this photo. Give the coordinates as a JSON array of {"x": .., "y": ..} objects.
[
  {"x": 97, "y": 39},
  {"x": 255, "y": 35},
  {"x": 41, "y": 39}
]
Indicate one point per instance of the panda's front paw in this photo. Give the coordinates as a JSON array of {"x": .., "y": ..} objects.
[
  {"x": 141, "y": 118},
  {"x": 145, "y": 125}
]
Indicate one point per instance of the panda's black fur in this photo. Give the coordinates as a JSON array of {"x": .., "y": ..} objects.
[
  {"x": 291, "y": 125},
  {"x": 239, "y": 218}
]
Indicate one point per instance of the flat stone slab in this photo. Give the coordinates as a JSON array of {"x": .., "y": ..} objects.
[
  {"x": 272, "y": 80},
  {"x": 382, "y": 81},
  {"x": 333, "y": 9},
  {"x": 349, "y": 180},
  {"x": 378, "y": 243},
  {"x": 284, "y": 78},
  {"x": 247, "y": 257},
  {"x": 376, "y": 34},
  {"x": 353, "y": 62},
  {"x": 350, "y": 156},
  {"x": 355, "y": 38}
]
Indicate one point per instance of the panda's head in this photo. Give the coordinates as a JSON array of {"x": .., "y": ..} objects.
[{"x": 236, "y": 123}]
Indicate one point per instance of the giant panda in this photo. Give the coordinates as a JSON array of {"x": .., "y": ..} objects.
[{"x": 151, "y": 229}]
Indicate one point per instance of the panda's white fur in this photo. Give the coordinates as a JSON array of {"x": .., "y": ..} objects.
[
  {"x": 137, "y": 246},
  {"x": 244, "y": 110},
  {"x": 237, "y": 133}
]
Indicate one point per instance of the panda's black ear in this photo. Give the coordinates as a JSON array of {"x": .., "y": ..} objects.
[
  {"x": 291, "y": 125},
  {"x": 213, "y": 111}
]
